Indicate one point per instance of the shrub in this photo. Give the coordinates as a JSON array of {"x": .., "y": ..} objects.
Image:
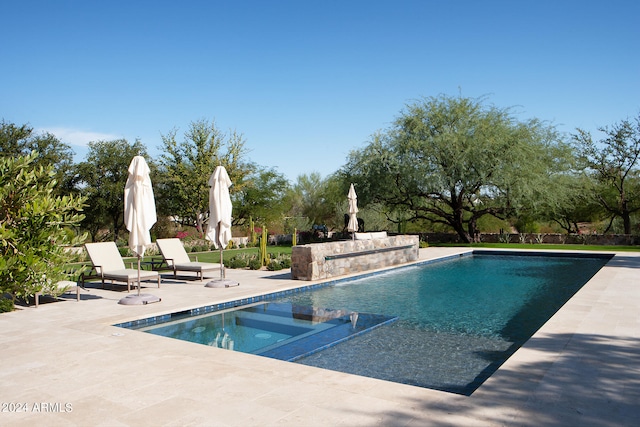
[
  {"x": 33, "y": 229},
  {"x": 6, "y": 305},
  {"x": 238, "y": 263},
  {"x": 124, "y": 251},
  {"x": 274, "y": 265},
  {"x": 278, "y": 261},
  {"x": 255, "y": 264}
]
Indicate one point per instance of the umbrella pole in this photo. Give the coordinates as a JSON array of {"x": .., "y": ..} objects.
[
  {"x": 221, "y": 264},
  {"x": 139, "y": 275}
]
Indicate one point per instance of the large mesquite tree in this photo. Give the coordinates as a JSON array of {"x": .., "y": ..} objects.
[
  {"x": 453, "y": 160},
  {"x": 614, "y": 164}
]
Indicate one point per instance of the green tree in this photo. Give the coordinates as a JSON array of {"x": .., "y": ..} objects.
[
  {"x": 34, "y": 227},
  {"x": 101, "y": 177},
  {"x": 614, "y": 163},
  {"x": 572, "y": 203},
  {"x": 186, "y": 167},
  {"x": 309, "y": 198},
  {"x": 261, "y": 197},
  {"x": 453, "y": 160},
  {"x": 22, "y": 140}
]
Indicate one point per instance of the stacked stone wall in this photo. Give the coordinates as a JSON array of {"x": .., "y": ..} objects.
[
  {"x": 318, "y": 261},
  {"x": 551, "y": 238}
]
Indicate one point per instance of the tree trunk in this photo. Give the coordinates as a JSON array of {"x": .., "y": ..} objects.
[
  {"x": 473, "y": 229},
  {"x": 457, "y": 222},
  {"x": 464, "y": 236},
  {"x": 199, "y": 226},
  {"x": 624, "y": 213},
  {"x": 462, "y": 233},
  {"x": 626, "y": 220}
]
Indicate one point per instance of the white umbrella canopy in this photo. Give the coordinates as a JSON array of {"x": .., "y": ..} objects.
[
  {"x": 139, "y": 217},
  {"x": 353, "y": 210},
  {"x": 139, "y": 206},
  {"x": 219, "y": 226}
]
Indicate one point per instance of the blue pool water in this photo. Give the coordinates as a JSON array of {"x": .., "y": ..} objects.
[
  {"x": 457, "y": 321},
  {"x": 282, "y": 330}
]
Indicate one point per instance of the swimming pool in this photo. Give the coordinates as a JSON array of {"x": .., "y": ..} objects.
[{"x": 458, "y": 320}]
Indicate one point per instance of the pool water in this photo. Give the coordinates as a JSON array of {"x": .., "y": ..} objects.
[
  {"x": 249, "y": 330},
  {"x": 459, "y": 320},
  {"x": 282, "y": 331},
  {"x": 446, "y": 325}
]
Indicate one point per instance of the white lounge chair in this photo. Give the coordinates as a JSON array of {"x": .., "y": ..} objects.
[
  {"x": 64, "y": 286},
  {"x": 177, "y": 258},
  {"x": 109, "y": 265}
]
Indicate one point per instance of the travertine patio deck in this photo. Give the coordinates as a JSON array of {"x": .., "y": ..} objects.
[{"x": 65, "y": 360}]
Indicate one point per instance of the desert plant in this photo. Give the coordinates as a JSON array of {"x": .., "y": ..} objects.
[
  {"x": 255, "y": 264},
  {"x": 264, "y": 259},
  {"x": 238, "y": 262},
  {"x": 274, "y": 265},
  {"x": 504, "y": 237}
]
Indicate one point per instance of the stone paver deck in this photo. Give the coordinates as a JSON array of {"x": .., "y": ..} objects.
[{"x": 64, "y": 364}]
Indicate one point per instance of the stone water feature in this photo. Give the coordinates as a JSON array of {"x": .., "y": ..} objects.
[{"x": 369, "y": 251}]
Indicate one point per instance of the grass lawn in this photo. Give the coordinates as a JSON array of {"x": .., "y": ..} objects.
[
  {"x": 214, "y": 256},
  {"x": 542, "y": 246},
  {"x": 211, "y": 256}
]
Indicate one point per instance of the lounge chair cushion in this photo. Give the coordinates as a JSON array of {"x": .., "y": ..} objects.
[
  {"x": 177, "y": 258},
  {"x": 109, "y": 264},
  {"x": 105, "y": 255},
  {"x": 63, "y": 286},
  {"x": 173, "y": 251},
  {"x": 129, "y": 274},
  {"x": 197, "y": 266}
]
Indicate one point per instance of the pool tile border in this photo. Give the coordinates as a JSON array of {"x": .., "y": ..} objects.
[
  {"x": 149, "y": 321},
  {"x": 134, "y": 324}
]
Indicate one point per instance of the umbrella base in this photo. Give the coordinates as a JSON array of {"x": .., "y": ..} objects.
[
  {"x": 141, "y": 299},
  {"x": 221, "y": 283}
]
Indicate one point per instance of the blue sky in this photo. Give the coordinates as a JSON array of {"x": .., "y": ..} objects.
[{"x": 305, "y": 82}]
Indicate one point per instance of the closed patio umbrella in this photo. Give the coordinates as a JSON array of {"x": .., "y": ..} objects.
[
  {"x": 139, "y": 217},
  {"x": 353, "y": 210},
  {"x": 219, "y": 225}
]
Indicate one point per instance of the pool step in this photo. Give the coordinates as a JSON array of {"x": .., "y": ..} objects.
[{"x": 314, "y": 343}]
